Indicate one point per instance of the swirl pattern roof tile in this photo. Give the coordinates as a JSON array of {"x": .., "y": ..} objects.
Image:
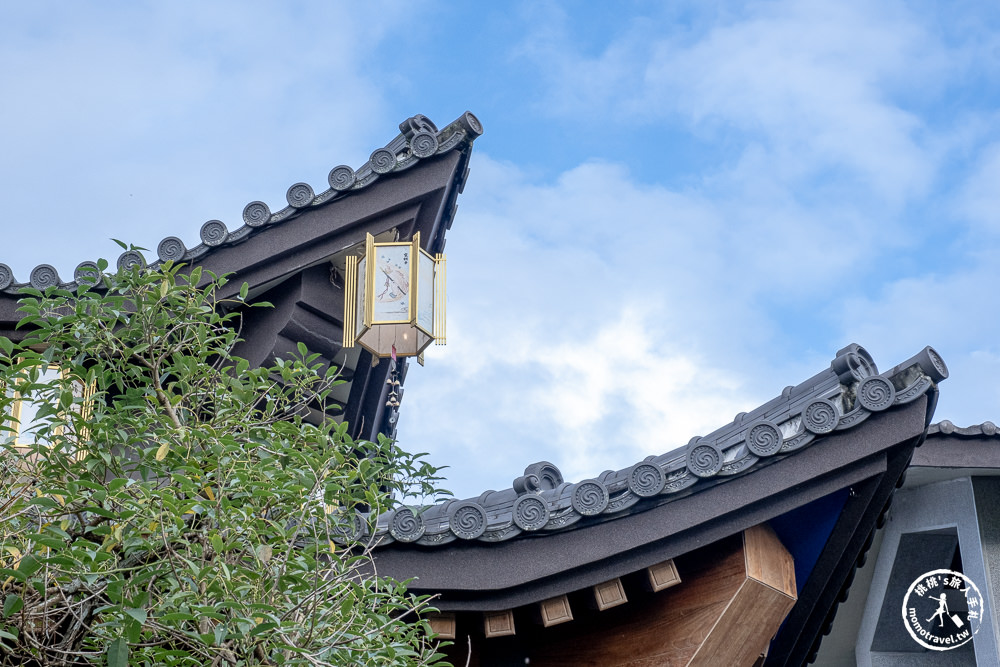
[
  {"x": 841, "y": 397},
  {"x": 419, "y": 139}
]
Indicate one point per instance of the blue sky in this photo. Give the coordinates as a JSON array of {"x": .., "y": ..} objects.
[{"x": 676, "y": 210}]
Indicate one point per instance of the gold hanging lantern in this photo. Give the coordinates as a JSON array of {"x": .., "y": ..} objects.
[{"x": 394, "y": 303}]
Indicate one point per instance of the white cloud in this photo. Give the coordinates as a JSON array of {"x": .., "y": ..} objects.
[
  {"x": 142, "y": 122},
  {"x": 809, "y": 83},
  {"x": 952, "y": 303},
  {"x": 594, "y": 321},
  {"x": 597, "y": 320},
  {"x": 587, "y": 402}
]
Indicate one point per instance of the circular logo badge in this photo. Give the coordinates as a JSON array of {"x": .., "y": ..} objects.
[{"x": 942, "y": 610}]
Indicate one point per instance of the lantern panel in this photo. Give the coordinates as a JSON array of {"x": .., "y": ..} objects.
[
  {"x": 350, "y": 300},
  {"x": 392, "y": 284},
  {"x": 425, "y": 294},
  {"x": 360, "y": 284},
  {"x": 440, "y": 299}
]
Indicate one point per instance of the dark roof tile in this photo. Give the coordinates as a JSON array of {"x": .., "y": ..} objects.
[
  {"x": 986, "y": 429},
  {"x": 419, "y": 139},
  {"x": 539, "y": 502}
]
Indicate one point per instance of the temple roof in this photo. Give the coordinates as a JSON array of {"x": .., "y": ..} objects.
[
  {"x": 419, "y": 139},
  {"x": 295, "y": 258},
  {"x": 540, "y": 502},
  {"x": 819, "y": 464}
]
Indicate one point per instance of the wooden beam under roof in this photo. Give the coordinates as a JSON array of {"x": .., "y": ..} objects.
[
  {"x": 555, "y": 611},
  {"x": 735, "y": 595},
  {"x": 757, "y": 608},
  {"x": 498, "y": 623},
  {"x": 609, "y": 594},
  {"x": 442, "y": 624},
  {"x": 663, "y": 575}
]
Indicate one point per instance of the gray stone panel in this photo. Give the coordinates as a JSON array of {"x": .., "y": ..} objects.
[
  {"x": 987, "y": 495},
  {"x": 917, "y": 553}
]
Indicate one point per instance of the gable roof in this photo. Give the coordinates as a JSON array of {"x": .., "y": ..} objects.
[{"x": 419, "y": 139}]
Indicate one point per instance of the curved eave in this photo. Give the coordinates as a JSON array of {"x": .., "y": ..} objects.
[
  {"x": 839, "y": 399},
  {"x": 268, "y": 246},
  {"x": 530, "y": 570}
]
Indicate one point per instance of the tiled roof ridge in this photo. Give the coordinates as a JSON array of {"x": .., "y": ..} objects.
[
  {"x": 540, "y": 501},
  {"x": 419, "y": 139},
  {"x": 945, "y": 427}
]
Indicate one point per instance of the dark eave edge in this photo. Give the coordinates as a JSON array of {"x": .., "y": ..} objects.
[
  {"x": 419, "y": 139},
  {"x": 540, "y": 502}
]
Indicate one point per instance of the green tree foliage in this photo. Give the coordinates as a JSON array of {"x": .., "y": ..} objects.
[{"x": 186, "y": 512}]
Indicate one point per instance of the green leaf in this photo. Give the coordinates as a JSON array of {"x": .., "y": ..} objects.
[
  {"x": 61, "y": 561},
  {"x": 133, "y": 631},
  {"x": 244, "y": 289},
  {"x": 12, "y": 604},
  {"x": 51, "y": 542},
  {"x": 138, "y": 614},
  {"x": 28, "y": 565},
  {"x": 45, "y": 502},
  {"x": 7, "y": 345},
  {"x": 100, "y": 511},
  {"x": 16, "y": 574},
  {"x": 177, "y": 616},
  {"x": 118, "y": 653},
  {"x": 263, "y": 627}
]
